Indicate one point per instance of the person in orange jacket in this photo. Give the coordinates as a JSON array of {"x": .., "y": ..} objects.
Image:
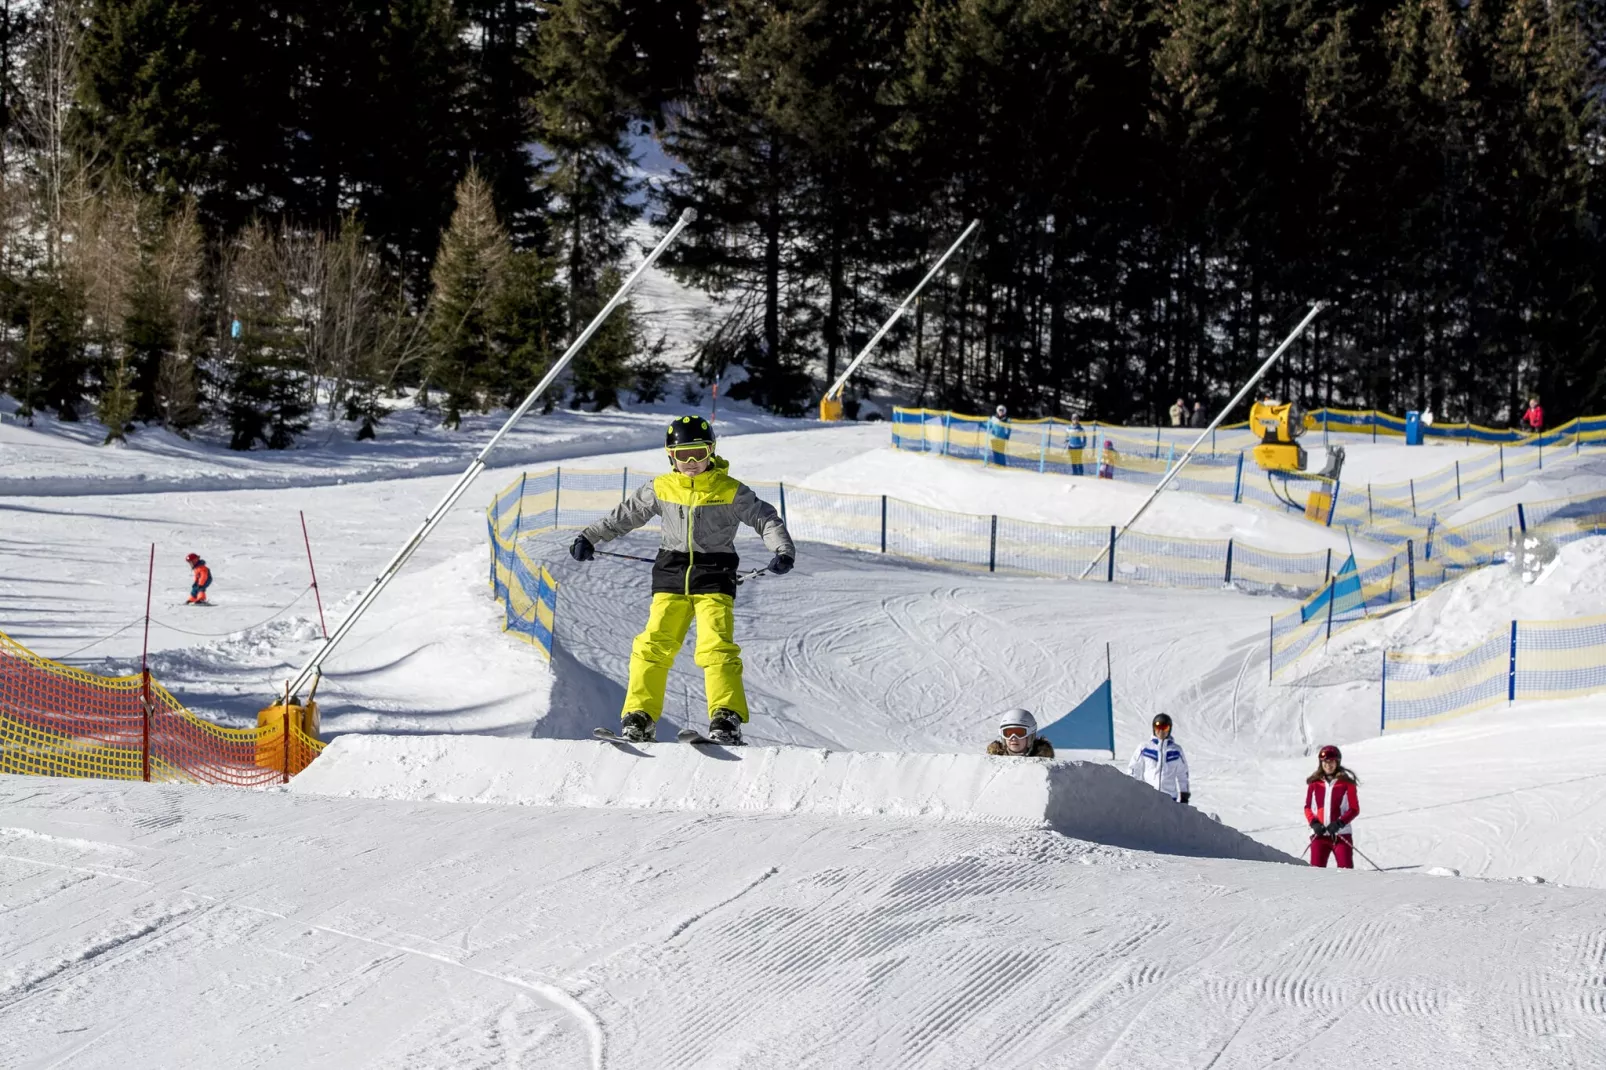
[{"x": 202, "y": 580}]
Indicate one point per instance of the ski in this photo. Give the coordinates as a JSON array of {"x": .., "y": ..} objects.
[
  {"x": 608, "y": 735},
  {"x": 691, "y": 735}
]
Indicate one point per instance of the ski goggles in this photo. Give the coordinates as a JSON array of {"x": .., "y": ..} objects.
[
  {"x": 1016, "y": 731},
  {"x": 699, "y": 452}
]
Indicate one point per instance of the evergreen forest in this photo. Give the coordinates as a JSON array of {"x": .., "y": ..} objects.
[{"x": 240, "y": 213}]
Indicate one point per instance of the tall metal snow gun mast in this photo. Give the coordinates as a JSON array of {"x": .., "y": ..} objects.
[
  {"x": 1315, "y": 310},
  {"x": 435, "y": 515},
  {"x": 831, "y": 403}
]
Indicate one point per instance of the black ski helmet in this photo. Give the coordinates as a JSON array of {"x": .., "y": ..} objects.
[
  {"x": 689, "y": 431},
  {"x": 1162, "y": 720}
]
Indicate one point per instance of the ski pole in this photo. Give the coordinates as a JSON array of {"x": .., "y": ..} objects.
[
  {"x": 743, "y": 577},
  {"x": 1369, "y": 862},
  {"x": 627, "y": 557}
]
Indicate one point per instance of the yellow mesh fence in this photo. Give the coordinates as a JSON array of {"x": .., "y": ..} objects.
[{"x": 59, "y": 721}]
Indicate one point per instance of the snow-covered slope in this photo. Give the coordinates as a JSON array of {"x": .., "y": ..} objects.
[
  {"x": 152, "y": 926},
  {"x": 168, "y": 926}
]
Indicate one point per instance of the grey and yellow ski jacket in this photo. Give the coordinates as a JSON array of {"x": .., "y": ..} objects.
[{"x": 701, "y": 515}]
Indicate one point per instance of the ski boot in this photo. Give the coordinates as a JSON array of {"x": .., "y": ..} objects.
[
  {"x": 725, "y": 727},
  {"x": 637, "y": 727}
]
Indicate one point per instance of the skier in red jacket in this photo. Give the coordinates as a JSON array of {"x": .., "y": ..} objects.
[
  {"x": 1534, "y": 418},
  {"x": 1331, "y": 803}
]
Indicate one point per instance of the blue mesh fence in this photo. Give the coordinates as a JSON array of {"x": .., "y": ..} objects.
[
  {"x": 1437, "y": 554},
  {"x": 1420, "y": 689},
  {"x": 527, "y": 591},
  {"x": 571, "y": 498},
  {"x": 1390, "y": 513},
  {"x": 1527, "y": 660}
]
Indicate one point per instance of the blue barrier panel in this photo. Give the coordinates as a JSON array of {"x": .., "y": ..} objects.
[{"x": 1091, "y": 726}]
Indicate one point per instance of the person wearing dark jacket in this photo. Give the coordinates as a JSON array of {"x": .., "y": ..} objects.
[
  {"x": 694, "y": 576},
  {"x": 1017, "y": 737}
]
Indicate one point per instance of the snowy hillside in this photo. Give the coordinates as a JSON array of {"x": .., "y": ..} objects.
[{"x": 421, "y": 899}]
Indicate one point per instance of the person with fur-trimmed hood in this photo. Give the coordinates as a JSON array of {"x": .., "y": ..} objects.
[
  {"x": 693, "y": 577},
  {"x": 1018, "y": 738},
  {"x": 1160, "y": 763}
]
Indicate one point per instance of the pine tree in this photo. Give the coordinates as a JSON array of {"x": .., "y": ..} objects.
[
  {"x": 605, "y": 366},
  {"x": 581, "y": 116},
  {"x": 470, "y": 270},
  {"x": 264, "y": 380},
  {"x": 527, "y": 324}
]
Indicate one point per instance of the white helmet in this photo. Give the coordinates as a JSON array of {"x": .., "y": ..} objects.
[
  {"x": 1002, "y": 412},
  {"x": 1017, "y": 718}
]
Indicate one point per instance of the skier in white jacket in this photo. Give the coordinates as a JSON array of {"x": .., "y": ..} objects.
[{"x": 1160, "y": 762}]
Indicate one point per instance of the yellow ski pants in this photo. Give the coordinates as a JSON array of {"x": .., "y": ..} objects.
[{"x": 717, "y": 654}]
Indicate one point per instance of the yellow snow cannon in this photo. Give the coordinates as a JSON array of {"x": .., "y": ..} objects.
[{"x": 1278, "y": 425}]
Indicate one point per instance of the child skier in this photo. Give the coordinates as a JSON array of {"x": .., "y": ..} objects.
[
  {"x": 201, "y": 579},
  {"x": 1017, "y": 736},
  {"x": 1331, "y": 803},
  {"x": 1160, "y": 762},
  {"x": 694, "y": 576}
]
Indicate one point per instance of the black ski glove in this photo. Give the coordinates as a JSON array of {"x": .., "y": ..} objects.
[
  {"x": 1333, "y": 827},
  {"x": 780, "y": 564},
  {"x": 1185, "y": 798},
  {"x": 1317, "y": 828},
  {"x": 581, "y": 549}
]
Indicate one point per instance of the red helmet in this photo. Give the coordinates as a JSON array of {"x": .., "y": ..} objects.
[
  {"x": 1329, "y": 751},
  {"x": 192, "y": 558}
]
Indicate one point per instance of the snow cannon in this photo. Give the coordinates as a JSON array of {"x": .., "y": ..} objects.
[
  {"x": 1278, "y": 426},
  {"x": 277, "y": 727},
  {"x": 831, "y": 408}
]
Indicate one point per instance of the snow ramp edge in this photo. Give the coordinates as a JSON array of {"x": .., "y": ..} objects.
[{"x": 1083, "y": 800}]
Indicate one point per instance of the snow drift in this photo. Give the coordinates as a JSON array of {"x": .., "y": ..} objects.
[{"x": 1079, "y": 799}]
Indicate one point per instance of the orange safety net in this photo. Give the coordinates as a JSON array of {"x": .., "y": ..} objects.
[{"x": 60, "y": 721}]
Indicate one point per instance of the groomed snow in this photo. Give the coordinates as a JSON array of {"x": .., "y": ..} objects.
[
  {"x": 152, "y": 926},
  {"x": 170, "y": 926}
]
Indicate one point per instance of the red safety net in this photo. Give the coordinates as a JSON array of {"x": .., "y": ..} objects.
[{"x": 60, "y": 721}]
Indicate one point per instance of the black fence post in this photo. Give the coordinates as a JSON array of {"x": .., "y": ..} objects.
[
  {"x": 1410, "y": 567},
  {"x": 781, "y": 487},
  {"x": 992, "y": 547},
  {"x": 1109, "y": 573},
  {"x": 1228, "y": 577},
  {"x": 1327, "y": 570},
  {"x": 884, "y": 525}
]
